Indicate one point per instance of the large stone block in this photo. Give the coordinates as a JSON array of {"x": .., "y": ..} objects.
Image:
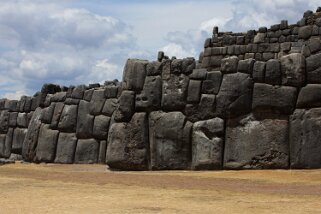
[
  {"x": 313, "y": 67},
  {"x": 305, "y": 134},
  {"x": 212, "y": 83},
  {"x": 150, "y": 97},
  {"x": 194, "y": 91},
  {"x": 47, "y": 113},
  {"x": 47, "y": 144},
  {"x": 85, "y": 121},
  {"x": 256, "y": 144},
  {"x": 229, "y": 65},
  {"x": 126, "y": 107},
  {"x": 31, "y": 138},
  {"x": 275, "y": 99},
  {"x": 134, "y": 74},
  {"x": 235, "y": 95},
  {"x": 259, "y": 71},
  {"x": 246, "y": 66},
  {"x": 174, "y": 92},
  {"x": 202, "y": 111},
  {"x": 56, "y": 115},
  {"x": 68, "y": 119},
  {"x": 66, "y": 147},
  {"x": 207, "y": 144},
  {"x": 17, "y": 141},
  {"x": 2, "y": 145},
  {"x": 87, "y": 151},
  {"x": 13, "y": 119},
  {"x": 97, "y": 102},
  {"x": 273, "y": 72},
  {"x": 4, "y": 121},
  {"x": 169, "y": 137},
  {"x": 309, "y": 96},
  {"x": 102, "y": 151},
  {"x": 8, "y": 143},
  {"x": 293, "y": 70},
  {"x": 128, "y": 147},
  {"x": 110, "y": 106},
  {"x": 101, "y": 125}
]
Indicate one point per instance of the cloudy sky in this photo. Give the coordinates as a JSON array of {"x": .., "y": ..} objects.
[{"x": 71, "y": 42}]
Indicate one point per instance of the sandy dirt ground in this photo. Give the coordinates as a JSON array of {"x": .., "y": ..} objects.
[{"x": 88, "y": 189}]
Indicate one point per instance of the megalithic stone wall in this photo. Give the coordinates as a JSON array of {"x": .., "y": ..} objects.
[{"x": 252, "y": 100}]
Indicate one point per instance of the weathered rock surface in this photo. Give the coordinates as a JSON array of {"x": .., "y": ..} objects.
[
  {"x": 256, "y": 144},
  {"x": 101, "y": 126},
  {"x": 85, "y": 121},
  {"x": 68, "y": 118},
  {"x": 134, "y": 74},
  {"x": 47, "y": 144},
  {"x": 235, "y": 95},
  {"x": 17, "y": 140},
  {"x": 87, "y": 151},
  {"x": 313, "y": 66},
  {"x": 293, "y": 70},
  {"x": 207, "y": 144},
  {"x": 150, "y": 97},
  {"x": 305, "y": 134},
  {"x": 66, "y": 147},
  {"x": 126, "y": 107},
  {"x": 174, "y": 92},
  {"x": 275, "y": 99},
  {"x": 128, "y": 147},
  {"x": 309, "y": 96},
  {"x": 169, "y": 137}
]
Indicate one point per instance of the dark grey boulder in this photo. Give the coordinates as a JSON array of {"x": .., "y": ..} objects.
[
  {"x": 150, "y": 97},
  {"x": 212, "y": 83},
  {"x": 198, "y": 74},
  {"x": 235, "y": 95},
  {"x": 194, "y": 91},
  {"x": 128, "y": 147},
  {"x": 102, "y": 151},
  {"x": 47, "y": 113},
  {"x": 273, "y": 72},
  {"x": 2, "y": 145},
  {"x": 154, "y": 68},
  {"x": 305, "y": 134},
  {"x": 275, "y": 99},
  {"x": 109, "y": 107},
  {"x": 202, "y": 111},
  {"x": 66, "y": 147},
  {"x": 169, "y": 137},
  {"x": 72, "y": 101},
  {"x": 134, "y": 74},
  {"x": 256, "y": 144},
  {"x": 111, "y": 91},
  {"x": 22, "y": 120},
  {"x": 97, "y": 102},
  {"x": 309, "y": 96},
  {"x": 174, "y": 92},
  {"x": 259, "y": 71},
  {"x": 188, "y": 65},
  {"x": 126, "y": 107},
  {"x": 88, "y": 94},
  {"x": 56, "y": 115},
  {"x": 13, "y": 119},
  {"x": 313, "y": 68},
  {"x": 229, "y": 65},
  {"x": 101, "y": 125},
  {"x": 85, "y": 121},
  {"x": 59, "y": 97},
  {"x": 246, "y": 66},
  {"x": 87, "y": 151},
  {"x": 31, "y": 138},
  {"x": 305, "y": 32},
  {"x": 207, "y": 144},
  {"x": 8, "y": 143},
  {"x": 293, "y": 70},
  {"x": 68, "y": 119},
  {"x": 47, "y": 144},
  {"x": 17, "y": 141},
  {"x": 78, "y": 92},
  {"x": 4, "y": 121}
]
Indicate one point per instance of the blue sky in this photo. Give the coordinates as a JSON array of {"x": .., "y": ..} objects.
[{"x": 79, "y": 42}]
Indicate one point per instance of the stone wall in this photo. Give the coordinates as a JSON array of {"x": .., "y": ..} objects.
[{"x": 251, "y": 101}]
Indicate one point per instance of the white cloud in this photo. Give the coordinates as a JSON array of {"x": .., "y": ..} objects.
[{"x": 43, "y": 42}]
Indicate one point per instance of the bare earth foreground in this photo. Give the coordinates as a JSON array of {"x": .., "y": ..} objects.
[{"x": 31, "y": 188}]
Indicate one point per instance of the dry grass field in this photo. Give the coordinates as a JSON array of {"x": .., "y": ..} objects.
[{"x": 31, "y": 188}]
